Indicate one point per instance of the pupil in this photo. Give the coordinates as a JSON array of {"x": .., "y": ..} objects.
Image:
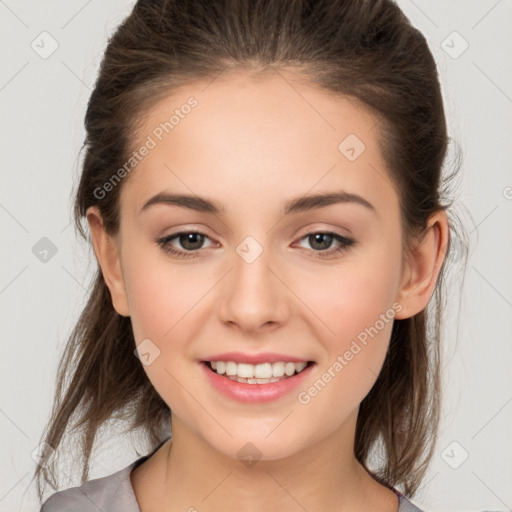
[
  {"x": 323, "y": 238},
  {"x": 191, "y": 241}
]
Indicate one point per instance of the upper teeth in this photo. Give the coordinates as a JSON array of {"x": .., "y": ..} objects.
[{"x": 259, "y": 371}]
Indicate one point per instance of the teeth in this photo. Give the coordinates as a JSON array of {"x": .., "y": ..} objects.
[
  {"x": 289, "y": 369},
  {"x": 263, "y": 373},
  {"x": 245, "y": 370},
  {"x": 277, "y": 369},
  {"x": 231, "y": 368}
]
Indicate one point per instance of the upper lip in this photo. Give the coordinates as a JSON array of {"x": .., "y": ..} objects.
[{"x": 264, "y": 357}]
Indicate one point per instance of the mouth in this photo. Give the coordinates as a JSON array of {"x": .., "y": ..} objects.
[
  {"x": 262, "y": 373},
  {"x": 256, "y": 378}
]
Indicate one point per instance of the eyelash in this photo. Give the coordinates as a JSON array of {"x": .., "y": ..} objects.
[{"x": 344, "y": 242}]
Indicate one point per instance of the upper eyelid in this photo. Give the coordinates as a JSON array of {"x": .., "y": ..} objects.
[{"x": 320, "y": 227}]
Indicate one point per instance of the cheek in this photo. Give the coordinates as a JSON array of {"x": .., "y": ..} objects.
[
  {"x": 356, "y": 309},
  {"x": 162, "y": 299},
  {"x": 165, "y": 300},
  {"x": 351, "y": 298},
  {"x": 161, "y": 293}
]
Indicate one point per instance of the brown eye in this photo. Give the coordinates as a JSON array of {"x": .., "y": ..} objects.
[
  {"x": 189, "y": 243},
  {"x": 321, "y": 243}
]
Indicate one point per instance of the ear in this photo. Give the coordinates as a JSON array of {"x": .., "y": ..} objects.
[
  {"x": 422, "y": 268},
  {"x": 107, "y": 254}
]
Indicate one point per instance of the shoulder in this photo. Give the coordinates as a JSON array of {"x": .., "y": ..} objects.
[
  {"x": 405, "y": 505},
  {"x": 112, "y": 493}
]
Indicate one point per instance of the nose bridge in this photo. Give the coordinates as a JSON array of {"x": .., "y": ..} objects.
[{"x": 253, "y": 295}]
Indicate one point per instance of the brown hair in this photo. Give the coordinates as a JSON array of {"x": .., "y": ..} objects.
[{"x": 367, "y": 50}]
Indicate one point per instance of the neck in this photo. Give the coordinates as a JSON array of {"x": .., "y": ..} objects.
[{"x": 192, "y": 476}]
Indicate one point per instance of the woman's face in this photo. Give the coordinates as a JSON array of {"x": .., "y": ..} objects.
[{"x": 254, "y": 155}]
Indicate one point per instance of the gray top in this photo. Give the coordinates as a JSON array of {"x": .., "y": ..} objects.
[{"x": 114, "y": 493}]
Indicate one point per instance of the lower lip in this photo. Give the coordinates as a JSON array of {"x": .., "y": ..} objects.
[{"x": 255, "y": 393}]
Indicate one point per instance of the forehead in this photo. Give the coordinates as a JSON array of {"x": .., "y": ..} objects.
[{"x": 270, "y": 135}]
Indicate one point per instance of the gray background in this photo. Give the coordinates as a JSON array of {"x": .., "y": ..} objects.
[{"x": 42, "y": 106}]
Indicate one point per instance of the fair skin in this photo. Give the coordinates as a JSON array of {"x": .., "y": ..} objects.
[{"x": 251, "y": 145}]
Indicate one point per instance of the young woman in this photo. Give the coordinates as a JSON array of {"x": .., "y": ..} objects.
[{"x": 262, "y": 183}]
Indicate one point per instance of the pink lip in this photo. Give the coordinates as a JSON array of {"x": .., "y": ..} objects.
[
  {"x": 254, "y": 393},
  {"x": 264, "y": 357}
]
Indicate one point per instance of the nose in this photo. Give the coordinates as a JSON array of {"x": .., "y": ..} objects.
[{"x": 253, "y": 297}]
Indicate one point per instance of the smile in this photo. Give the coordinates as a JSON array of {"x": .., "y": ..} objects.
[{"x": 255, "y": 378}]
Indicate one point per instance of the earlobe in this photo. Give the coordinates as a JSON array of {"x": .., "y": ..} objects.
[
  {"x": 423, "y": 267},
  {"x": 107, "y": 254}
]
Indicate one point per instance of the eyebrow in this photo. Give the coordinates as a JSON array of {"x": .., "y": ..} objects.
[{"x": 300, "y": 204}]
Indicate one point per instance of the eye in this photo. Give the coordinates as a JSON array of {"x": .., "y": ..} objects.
[
  {"x": 322, "y": 241},
  {"x": 191, "y": 241}
]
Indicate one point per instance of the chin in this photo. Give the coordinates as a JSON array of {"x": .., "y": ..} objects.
[{"x": 251, "y": 445}]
